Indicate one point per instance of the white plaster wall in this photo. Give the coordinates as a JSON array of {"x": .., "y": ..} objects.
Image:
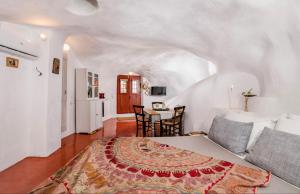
[
  {"x": 213, "y": 92},
  {"x": 39, "y": 98},
  {"x": 17, "y": 104},
  {"x": 46, "y": 98},
  {"x": 30, "y": 105},
  {"x": 54, "y": 93},
  {"x": 73, "y": 63},
  {"x": 15, "y": 108}
]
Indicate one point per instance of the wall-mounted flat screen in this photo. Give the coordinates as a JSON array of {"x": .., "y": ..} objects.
[{"x": 158, "y": 91}]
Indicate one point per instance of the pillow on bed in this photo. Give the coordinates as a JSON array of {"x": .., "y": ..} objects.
[
  {"x": 211, "y": 114},
  {"x": 259, "y": 123},
  {"x": 230, "y": 134},
  {"x": 278, "y": 152},
  {"x": 288, "y": 125}
]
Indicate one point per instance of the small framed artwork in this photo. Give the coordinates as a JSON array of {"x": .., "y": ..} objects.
[
  {"x": 56, "y": 66},
  {"x": 12, "y": 62}
]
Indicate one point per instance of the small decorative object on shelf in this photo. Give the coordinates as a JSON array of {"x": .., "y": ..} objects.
[
  {"x": 248, "y": 94},
  {"x": 101, "y": 95}
]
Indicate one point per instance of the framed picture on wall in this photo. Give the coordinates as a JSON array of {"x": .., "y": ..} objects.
[
  {"x": 56, "y": 66},
  {"x": 12, "y": 62}
]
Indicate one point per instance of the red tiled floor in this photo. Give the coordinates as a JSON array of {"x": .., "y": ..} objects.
[{"x": 29, "y": 172}]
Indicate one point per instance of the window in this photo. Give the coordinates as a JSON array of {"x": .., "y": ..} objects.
[
  {"x": 90, "y": 92},
  {"x": 96, "y": 80},
  {"x": 90, "y": 78},
  {"x": 90, "y": 84},
  {"x": 96, "y": 92},
  {"x": 123, "y": 86},
  {"x": 96, "y": 85},
  {"x": 135, "y": 86}
]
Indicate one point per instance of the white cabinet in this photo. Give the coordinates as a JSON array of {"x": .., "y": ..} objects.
[
  {"x": 98, "y": 110},
  {"x": 87, "y": 84},
  {"x": 88, "y": 104}
]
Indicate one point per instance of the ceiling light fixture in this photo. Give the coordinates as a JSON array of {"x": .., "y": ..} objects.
[
  {"x": 66, "y": 47},
  {"x": 43, "y": 36},
  {"x": 82, "y": 7}
]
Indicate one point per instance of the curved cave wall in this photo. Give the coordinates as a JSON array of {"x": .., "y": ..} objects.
[
  {"x": 221, "y": 91},
  {"x": 260, "y": 38}
]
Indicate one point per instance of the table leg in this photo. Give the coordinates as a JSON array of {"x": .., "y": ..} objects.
[{"x": 153, "y": 124}]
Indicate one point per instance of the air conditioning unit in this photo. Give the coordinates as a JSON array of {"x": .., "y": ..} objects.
[{"x": 17, "y": 40}]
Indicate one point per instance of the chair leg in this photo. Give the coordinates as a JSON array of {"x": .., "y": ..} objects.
[
  {"x": 144, "y": 130},
  {"x": 166, "y": 132},
  {"x": 174, "y": 131},
  {"x": 180, "y": 131},
  {"x": 149, "y": 130},
  {"x": 161, "y": 128}
]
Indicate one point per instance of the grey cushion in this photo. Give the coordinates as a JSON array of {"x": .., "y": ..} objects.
[
  {"x": 232, "y": 135},
  {"x": 278, "y": 152}
]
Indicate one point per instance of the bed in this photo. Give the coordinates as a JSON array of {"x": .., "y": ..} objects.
[
  {"x": 205, "y": 146},
  {"x": 117, "y": 165}
]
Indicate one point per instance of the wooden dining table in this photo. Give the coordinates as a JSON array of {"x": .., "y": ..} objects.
[{"x": 158, "y": 116}]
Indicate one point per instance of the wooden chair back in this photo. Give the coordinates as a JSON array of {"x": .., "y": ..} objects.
[
  {"x": 157, "y": 105},
  {"x": 178, "y": 115},
  {"x": 139, "y": 113}
]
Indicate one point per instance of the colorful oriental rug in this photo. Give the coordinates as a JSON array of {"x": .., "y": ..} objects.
[{"x": 140, "y": 165}]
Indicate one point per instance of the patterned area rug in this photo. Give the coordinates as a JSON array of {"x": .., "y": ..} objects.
[{"x": 140, "y": 165}]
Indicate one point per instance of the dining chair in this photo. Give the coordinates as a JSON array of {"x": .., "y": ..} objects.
[
  {"x": 173, "y": 126},
  {"x": 142, "y": 123}
]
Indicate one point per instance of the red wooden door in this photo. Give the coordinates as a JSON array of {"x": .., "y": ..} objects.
[
  {"x": 128, "y": 93},
  {"x": 135, "y": 92}
]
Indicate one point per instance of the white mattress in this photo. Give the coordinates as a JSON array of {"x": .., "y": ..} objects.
[{"x": 202, "y": 145}]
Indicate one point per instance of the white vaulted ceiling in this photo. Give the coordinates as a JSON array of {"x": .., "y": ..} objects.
[{"x": 260, "y": 37}]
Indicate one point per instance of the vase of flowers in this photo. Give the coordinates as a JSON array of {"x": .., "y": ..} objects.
[{"x": 247, "y": 94}]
